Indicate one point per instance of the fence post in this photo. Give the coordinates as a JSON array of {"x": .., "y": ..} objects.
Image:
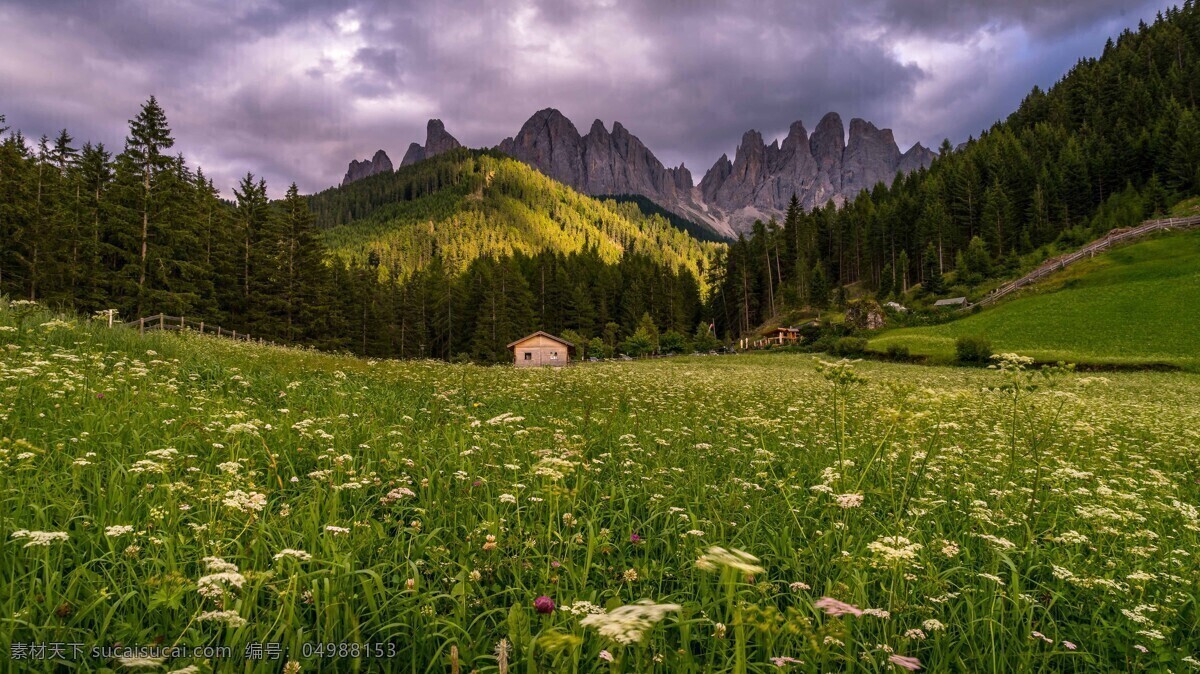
[
  {"x": 142, "y": 325},
  {"x": 162, "y": 321},
  {"x": 235, "y": 334},
  {"x": 202, "y": 327}
]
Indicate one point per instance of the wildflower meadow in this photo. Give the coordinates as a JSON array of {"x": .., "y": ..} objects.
[{"x": 766, "y": 513}]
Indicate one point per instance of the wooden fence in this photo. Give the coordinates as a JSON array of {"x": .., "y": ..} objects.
[
  {"x": 1088, "y": 251},
  {"x": 164, "y": 322}
]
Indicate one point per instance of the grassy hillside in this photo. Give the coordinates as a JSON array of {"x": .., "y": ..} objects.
[
  {"x": 1139, "y": 304},
  {"x": 466, "y": 204},
  {"x": 188, "y": 490}
]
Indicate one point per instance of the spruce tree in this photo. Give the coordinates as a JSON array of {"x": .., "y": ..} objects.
[
  {"x": 299, "y": 266},
  {"x": 819, "y": 286},
  {"x": 932, "y": 282},
  {"x": 138, "y": 170}
]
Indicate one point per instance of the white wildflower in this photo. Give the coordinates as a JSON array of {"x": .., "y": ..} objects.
[{"x": 628, "y": 624}]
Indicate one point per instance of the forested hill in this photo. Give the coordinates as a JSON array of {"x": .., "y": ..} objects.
[
  {"x": 468, "y": 204},
  {"x": 1116, "y": 140},
  {"x": 451, "y": 258}
]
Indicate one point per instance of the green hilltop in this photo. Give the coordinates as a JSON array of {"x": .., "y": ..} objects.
[
  {"x": 1137, "y": 305},
  {"x": 468, "y": 204}
]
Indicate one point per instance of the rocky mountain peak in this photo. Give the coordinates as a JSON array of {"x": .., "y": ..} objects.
[
  {"x": 437, "y": 141},
  {"x": 358, "y": 170},
  {"x": 796, "y": 139},
  {"x": 414, "y": 154},
  {"x": 917, "y": 157},
  {"x": 828, "y": 140},
  {"x": 757, "y": 184},
  {"x": 820, "y": 168},
  {"x": 871, "y": 156}
]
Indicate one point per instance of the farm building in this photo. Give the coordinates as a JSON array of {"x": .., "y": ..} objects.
[
  {"x": 775, "y": 337},
  {"x": 541, "y": 349},
  {"x": 782, "y": 336},
  {"x": 950, "y": 303}
]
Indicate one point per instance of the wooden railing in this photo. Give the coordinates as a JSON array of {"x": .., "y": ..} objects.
[
  {"x": 1088, "y": 251},
  {"x": 164, "y": 322}
]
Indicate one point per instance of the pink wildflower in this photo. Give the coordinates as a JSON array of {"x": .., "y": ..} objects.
[
  {"x": 911, "y": 664},
  {"x": 1069, "y": 646},
  {"x": 837, "y": 608},
  {"x": 606, "y": 656},
  {"x": 783, "y": 661}
]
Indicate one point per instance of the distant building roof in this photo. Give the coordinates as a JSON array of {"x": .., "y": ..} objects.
[
  {"x": 541, "y": 333},
  {"x": 953, "y": 301}
]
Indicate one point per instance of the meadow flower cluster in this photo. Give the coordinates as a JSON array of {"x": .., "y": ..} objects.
[{"x": 758, "y": 513}]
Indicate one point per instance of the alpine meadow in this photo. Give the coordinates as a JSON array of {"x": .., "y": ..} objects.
[{"x": 543, "y": 402}]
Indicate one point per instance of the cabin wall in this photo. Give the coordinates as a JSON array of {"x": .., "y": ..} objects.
[{"x": 541, "y": 353}]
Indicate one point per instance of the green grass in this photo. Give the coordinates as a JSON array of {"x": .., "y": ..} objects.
[
  {"x": 431, "y": 504},
  {"x": 1136, "y": 305}
]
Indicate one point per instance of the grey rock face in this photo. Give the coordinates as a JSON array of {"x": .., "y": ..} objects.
[
  {"x": 414, "y": 154},
  {"x": 827, "y": 145},
  {"x": 437, "y": 141},
  {"x": 549, "y": 142},
  {"x": 761, "y": 180},
  {"x": 715, "y": 178},
  {"x": 366, "y": 168},
  {"x": 917, "y": 157},
  {"x": 871, "y": 157},
  {"x": 598, "y": 163}
]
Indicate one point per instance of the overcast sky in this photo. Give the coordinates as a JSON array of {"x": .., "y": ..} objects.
[{"x": 294, "y": 89}]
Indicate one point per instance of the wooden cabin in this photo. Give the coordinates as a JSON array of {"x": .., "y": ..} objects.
[
  {"x": 783, "y": 336},
  {"x": 541, "y": 349},
  {"x": 775, "y": 337},
  {"x": 952, "y": 303}
]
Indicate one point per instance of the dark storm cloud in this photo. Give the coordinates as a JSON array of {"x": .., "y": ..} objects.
[
  {"x": 294, "y": 90},
  {"x": 954, "y": 19}
]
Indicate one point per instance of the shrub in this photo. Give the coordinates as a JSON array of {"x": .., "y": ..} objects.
[
  {"x": 673, "y": 341},
  {"x": 898, "y": 351},
  {"x": 973, "y": 349},
  {"x": 850, "y": 346}
]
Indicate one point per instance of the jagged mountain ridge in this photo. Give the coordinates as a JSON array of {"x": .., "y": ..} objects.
[
  {"x": 437, "y": 141},
  {"x": 757, "y": 184},
  {"x": 368, "y": 167}
]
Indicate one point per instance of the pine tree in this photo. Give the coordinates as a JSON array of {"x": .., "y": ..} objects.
[
  {"x": 300, "y": 265},
  {"x": 138, "y": 170},
  {"x": 98, "y": 258},
  {"x": 932, "y": 282},
  {"x": 256, "y": 302},
  {"x": 887, "y": 282},
  {"x": 15, "y": 207},
  {"x": 820, "y": 286},
  {"x": 902, "y": 267}
]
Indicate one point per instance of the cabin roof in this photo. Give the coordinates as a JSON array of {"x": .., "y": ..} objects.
[
  {"x": 541, "y": 333},
  {"x": 950, "y": 302}
]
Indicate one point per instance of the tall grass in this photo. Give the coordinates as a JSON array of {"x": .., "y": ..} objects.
[{"x": 423, "y": 507}]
